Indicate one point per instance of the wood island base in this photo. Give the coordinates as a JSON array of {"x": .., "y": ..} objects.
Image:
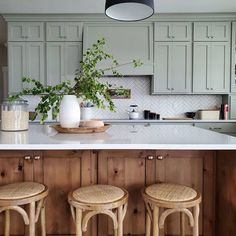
[{"x": 213, "y": 173}]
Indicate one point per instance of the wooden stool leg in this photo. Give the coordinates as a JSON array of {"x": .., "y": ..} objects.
[
  {"x": 196, "y": 216},
  {"x": 182, "y": 224},
  {"x": 32, "y": 219},
  {"x": 78, "y": 222},
  {"x": 120, "y": 221},
  {"x": 7, "y": 223},
  {"x": 155, "y": 221},
  {"x": 43, "y": 223},
  {"x": 148, "y": 225}
]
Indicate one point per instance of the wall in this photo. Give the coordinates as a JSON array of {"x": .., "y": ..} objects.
[{"x": 166, "y": 105}]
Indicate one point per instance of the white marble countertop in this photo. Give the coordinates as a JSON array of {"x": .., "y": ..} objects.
[{"x": 119, "y": 136}]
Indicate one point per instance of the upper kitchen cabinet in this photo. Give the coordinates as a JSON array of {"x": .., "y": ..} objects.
[
  {"x": 64, "y": 31},
  {"x": 26, "y": 31},
  {"x": 172, "y": 68},
  {"x": 211, "y": 67},
  {"x": 125, "y": 42},
  {"x": 173, "y": 31},
  {"x": 62, "y": 60},
  {"x": 25, "y": 59},
  {"x": 233, "y": 55},
  {"x": 212, "y": 31}
]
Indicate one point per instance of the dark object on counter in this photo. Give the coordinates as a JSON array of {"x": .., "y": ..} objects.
[
  {"x": 146, "y": 114},
  {"x": 224, "y": 112},
  {"x": 190, "y": 114},
  {"x": 158, "y": 116},
  {"x": 152, "y": 116}
]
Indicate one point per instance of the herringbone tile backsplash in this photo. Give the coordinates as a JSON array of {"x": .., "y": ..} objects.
[{"x": 165, "y": 105}]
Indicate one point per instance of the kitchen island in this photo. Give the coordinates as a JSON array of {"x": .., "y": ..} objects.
[{"x": 130, "y": 156}]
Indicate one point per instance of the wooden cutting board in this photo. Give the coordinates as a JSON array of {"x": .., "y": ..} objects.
[
  {"x": 176, "y": 118},
  {"x": 81, "y": 130}
]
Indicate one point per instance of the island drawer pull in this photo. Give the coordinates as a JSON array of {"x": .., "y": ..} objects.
[
  {"x": 27, "y": 157},
  {"x": 37, "y": 158},
  {"x": 160, "y": 158},
  {"x": 150, "y": 157}
]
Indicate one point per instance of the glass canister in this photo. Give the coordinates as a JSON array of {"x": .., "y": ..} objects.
[{"x": 14, "y": 115}]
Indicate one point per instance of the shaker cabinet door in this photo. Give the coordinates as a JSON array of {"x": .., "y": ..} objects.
[
  {"x": 55, "y": 31},
  {"x": 73, "y": 56},
  {"x": 173, "y": 31},
  {"x": 161, "y": 81},
  {"x": 220, "y": 67},
  {"x": 201, "y": 67},
  {"x": 181, "y": 70},
  {"x": 55, "y": 60},
  {"x": 35, "y": 61},
  {"x": 16, "y": 66}
]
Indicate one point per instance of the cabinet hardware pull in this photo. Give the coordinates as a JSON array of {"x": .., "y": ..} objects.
[
  {"x": 37, "y": 158},
  {"x": 160, "y": 158},
  {"x": 150, "y": 157},
  {"x": 211, "y": 88},
  {"x": 172, "y": 89},
  {"x": 168, "y": 88},
  {"x": 27, "y": 157}
]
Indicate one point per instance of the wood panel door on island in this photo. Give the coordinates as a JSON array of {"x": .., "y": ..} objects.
[
  {"x": 134, "y": 170},
  {"x": 15, "y": 166}
]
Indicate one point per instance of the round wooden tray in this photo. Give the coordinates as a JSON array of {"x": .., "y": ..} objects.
[{"x": 81, "y": 130}]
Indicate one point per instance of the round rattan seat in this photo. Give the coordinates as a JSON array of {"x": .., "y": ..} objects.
[
  {"x": 171, "y": 192},
  {"x": 98, "y": 194},
  {"x": 171, "y": 198},
  {"x": 86, "y": 202},
  {"x": 20, "y": 190}
]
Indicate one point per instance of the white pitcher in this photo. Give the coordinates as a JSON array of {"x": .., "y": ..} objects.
[{"x": 69, "y": 115}]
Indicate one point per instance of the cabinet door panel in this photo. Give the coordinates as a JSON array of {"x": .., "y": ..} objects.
[
  {"x": 120, "y": 39},
  {"x": 233, "y": 58},
  {"x": 34, "y": 31},
  {"x": 114, "y": 168},
  {"x": 221, "y": 31},
  {"x": 220, "y": 67},
  {"x": 13, "y": 168},
  {"x": 16, "y": 66},
  {"x": 16, "y": 31},
  {"x": 62, "y": 172},
  {"x": 162, "y": 68},
  {"x": 163, "y": 31},
  {"x": 55, "y": 62},
  {"x": 35, "y": 61},
  {"x": 73, "y": 56},
  {"x": 180, "y": 168},
  {"x": 182, "y": 31},
  {"x": 181, "y": 67},
  {"x": 201, "y": 67},
  {"x": 73, "y": 31},
  {"x": 202, "y": 31},
  {"x": 55, "y": 31}
]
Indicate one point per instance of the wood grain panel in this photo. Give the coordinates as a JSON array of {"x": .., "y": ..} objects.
[
  {"x": 226, "y": 193},
  {"x": 124, "y": 169},
  {"x": 14, "y": 168}
]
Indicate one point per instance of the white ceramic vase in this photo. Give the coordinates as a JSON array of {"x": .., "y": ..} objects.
[{"x": 69, "y": 115}]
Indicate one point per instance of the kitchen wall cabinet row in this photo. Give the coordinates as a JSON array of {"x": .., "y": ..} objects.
[
  {"x": 63, "y": 171},
  {"x": 182, "y": 57}
]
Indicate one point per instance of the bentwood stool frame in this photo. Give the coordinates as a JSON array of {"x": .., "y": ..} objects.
[
  {"x": 116, "y": 210},
  {"x": 157, "y": 220},
  {"x": 36, "y": 208}
]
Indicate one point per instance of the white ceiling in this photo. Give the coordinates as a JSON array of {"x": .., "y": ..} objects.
[{"x": 97, "y": 6}]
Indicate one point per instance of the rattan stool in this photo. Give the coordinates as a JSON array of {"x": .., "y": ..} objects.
[
  {"x": 173, "y": 198},
  {"x": 13, "y": 196},
  {"x": 98, "y": 199}
]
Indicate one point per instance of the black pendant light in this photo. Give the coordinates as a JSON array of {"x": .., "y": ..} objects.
[{"x": 129, "y": 10}]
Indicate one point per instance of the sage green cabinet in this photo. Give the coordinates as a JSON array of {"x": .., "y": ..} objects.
[
  {"x": 211, "y": 67},
  {"x": 63, "y": 59},
  {"x": 26, "y": 31},
  {"x": 64, "y": 31},
  {"x": 212, "y": 31},
  {"x": 24, "y": 60},
  {"x": 173, "y": 31},
  {"x": 233, "y": 59},
  {"x": 172, "y": 67},
  {"x": 125, "y": 42}
]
